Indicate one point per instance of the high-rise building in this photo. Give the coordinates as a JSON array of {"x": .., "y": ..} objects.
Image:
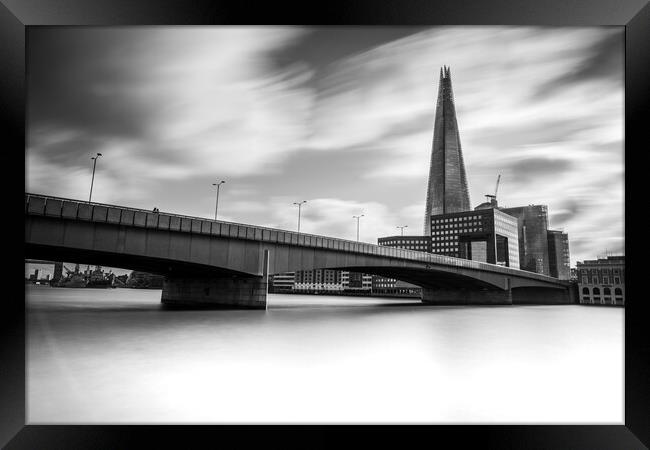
[
  {"x": 558, "y": 255},
  {"x": 447, "y": 190},
  {"x": 533, "y": 238},
  {"x": 58, "y": 271}
]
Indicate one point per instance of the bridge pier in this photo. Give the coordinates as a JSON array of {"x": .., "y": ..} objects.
[
  {"x": 541, "y": 296},
  {"x": 235, "y": 292},
  {"x": 460, "y": 296}
]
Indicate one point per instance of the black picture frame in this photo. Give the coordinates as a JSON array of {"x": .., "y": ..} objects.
[{"x": 17, "y": 15}]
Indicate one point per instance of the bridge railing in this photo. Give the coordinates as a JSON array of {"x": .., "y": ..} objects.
[{"x": 45, "y": 205}]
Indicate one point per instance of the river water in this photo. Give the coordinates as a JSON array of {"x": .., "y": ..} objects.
[{"x": 101, "y": 356}]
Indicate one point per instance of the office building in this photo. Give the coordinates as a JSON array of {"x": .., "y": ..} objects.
[
  {"x": 558, "y": 255},
  {"x": 485, "y": 235},
  {"x": 532, "y": 224}
]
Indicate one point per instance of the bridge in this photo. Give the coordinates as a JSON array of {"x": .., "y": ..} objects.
[{"x": 216, "y": 263}]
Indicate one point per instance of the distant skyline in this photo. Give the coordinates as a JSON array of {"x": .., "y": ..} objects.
[{"x": 339, "y": 116}]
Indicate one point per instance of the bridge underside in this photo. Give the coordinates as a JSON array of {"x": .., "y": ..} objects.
[
  {"x": 191, "y": 284},
  {"x": 185, "y": 284},
  {"x": 159, "y": 266}
]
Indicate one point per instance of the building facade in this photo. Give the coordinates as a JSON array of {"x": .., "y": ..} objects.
[
  {"x": 533, "y": 237},
  {"x": 418, "y": 243},
  {"x": 318, "y": 280},
  {"x": 356, "y": 282},
  {"x": 447, "y": 190},
  {"x": 559, "y": 264},
  {"x": 321, "y": 281},
  {"x": 282, "y": 282},
  {"x": 485, "y": 235},
  {"x": 391, "y": 286},
  {"x": 602, "y": 281}
]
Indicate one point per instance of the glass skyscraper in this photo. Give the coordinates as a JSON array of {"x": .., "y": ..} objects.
[{"x": 447, "y": 190}]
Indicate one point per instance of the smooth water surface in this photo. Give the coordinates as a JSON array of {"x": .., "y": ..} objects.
[{"x": 116, "y": 356}]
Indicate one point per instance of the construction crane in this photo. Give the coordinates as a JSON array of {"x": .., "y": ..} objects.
[{"x": 494, "y": 197}]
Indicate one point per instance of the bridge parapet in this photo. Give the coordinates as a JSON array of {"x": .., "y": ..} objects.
[{"x": 70, "y": 209}]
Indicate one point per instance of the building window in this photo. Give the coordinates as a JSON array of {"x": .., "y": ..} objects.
[
  {"x": 617, "y": 280},
  {"x": 585, "y": 280}
]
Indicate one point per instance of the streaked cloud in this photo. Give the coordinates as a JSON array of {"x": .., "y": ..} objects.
[{"x": 293, "y": 113}]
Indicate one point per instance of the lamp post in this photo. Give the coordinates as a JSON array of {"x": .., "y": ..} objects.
[
  {"x": 358, "y": 217},
  {"x": 92, "y": 181},
  {"x": 299, "y": 206},
  {"x": 216, "y": 206},
  {"x": 402, "y": 228}
]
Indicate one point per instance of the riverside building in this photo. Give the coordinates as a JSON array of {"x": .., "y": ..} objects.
[
  {"x": 282, "y": 282},
  {"x": 602, "y": 281},
  {"x": 318, "y": 280}
]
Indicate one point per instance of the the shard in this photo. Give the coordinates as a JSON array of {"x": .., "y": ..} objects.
[{"x": 447, "y": 189}]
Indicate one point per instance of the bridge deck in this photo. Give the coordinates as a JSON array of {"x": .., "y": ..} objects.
[{"x": 44, "y": 205}]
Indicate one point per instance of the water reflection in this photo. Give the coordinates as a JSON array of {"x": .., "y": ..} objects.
[{"x": 117, "y": 356}]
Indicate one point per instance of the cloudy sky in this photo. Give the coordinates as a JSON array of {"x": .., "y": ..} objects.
[{"x": 338, "y": 116}]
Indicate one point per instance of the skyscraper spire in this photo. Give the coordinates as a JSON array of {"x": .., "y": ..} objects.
[{"x": 447, "y": 189}]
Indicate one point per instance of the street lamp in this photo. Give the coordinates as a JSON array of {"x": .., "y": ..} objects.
[
  {"x": 216, "y": 206},
  {"x": 358, "y": 217},
  {"x": 94, "y": 158},
  {"x": 299, "y": 206},
  {"x": 402, "y": 228}
]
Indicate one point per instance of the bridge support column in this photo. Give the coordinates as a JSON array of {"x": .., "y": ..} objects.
[
  {"x": 237, "y": 292},
  {"x": 541, "y": 296},
  {"x": 244, "y": 293},
  {"x": 439, "y": 296}
]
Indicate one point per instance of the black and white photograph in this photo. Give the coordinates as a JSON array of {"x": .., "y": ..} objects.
[{"x": 235, "y": 224}]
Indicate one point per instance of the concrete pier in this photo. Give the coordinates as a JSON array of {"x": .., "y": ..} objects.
[
  {"x": 459, "y": 296},
  {"x": 237, "y": 292},
  {"x": 245, "y": 292},
  {"x": 541, "y": 296}
]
